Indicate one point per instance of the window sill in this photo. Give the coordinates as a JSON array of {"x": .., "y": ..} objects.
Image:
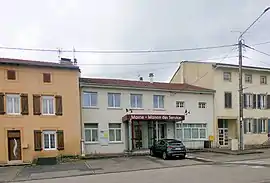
[
  {"x": 91, "y": 107},
  {"x": 14, "y": 115},
  {"x": 113, "y": 142},
  {"x": 48, "y": 115},
  {"x": 49, "y": 149},
  {"x": 93, "y": 143},
  {"x": 136, "y": 108},
  {"x": 159, "y": 109},
  {"x": 114, "y": 108}
]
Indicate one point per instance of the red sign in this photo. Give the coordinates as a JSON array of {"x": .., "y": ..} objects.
[{"x": 158, "y": 117}]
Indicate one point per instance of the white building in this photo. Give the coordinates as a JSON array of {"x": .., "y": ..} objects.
[{"x": 122, "y": 115}]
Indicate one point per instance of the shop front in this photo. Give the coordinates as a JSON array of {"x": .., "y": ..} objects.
[{"x": 142, "y": 130}]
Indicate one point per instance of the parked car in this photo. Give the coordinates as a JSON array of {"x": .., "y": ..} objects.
[{"x": 168, "y": 148}]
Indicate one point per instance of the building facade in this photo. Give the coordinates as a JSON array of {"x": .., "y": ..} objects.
[
  {"x": 39, "y": 110},
  {"x": 223, "y": 78},
  {"x": 124, "y": 115}
]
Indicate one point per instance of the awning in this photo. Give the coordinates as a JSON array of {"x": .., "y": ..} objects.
[{"x": 153, "y": 117}]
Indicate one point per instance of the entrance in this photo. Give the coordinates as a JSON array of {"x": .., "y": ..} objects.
[
  {"x": 162, "y": 131},
  {"x": 14, "y": 145},
  {"x": 223, "y": 132}
]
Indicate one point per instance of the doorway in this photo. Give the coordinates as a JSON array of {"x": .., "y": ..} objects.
[
  {"x": 14, "y": 145},
  {"x": 223, "y": 132},
  {"x": 162, "y": 130}
]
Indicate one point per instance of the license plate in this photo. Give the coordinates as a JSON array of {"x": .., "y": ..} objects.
[{"x": 178, "y": 148}]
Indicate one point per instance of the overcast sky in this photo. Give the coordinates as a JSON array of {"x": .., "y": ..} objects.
[{"x": 133, "y": 25}]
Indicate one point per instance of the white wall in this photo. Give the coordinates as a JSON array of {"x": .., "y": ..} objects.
[{"x": 103, "y": 115}]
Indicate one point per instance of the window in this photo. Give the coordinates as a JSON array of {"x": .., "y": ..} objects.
[
  {"x": 228, "y": 99},
  {"x": 47, "y": 78},
  {"x": 247, "y": 125},
  {"x": 180, "y": 104},
  {"x": 191, "y": 131},
  {"x": 91, "y": 132},
  {"x": 49, "y": 140},
  {"x": 11, "y": 74},
  {"x": 202, "y": 104},
  {"x": 48, "y": 105},
  {"x": 248, "y": 78},
  {"x": 13, "y": 103},
  {"x": 90, "y": 99},
  {"x": 136, "y": 100},
  {"x": 248, "y": 100},
  {"x": 262, "y": 125},
  {"x": 263, "y": 80},
  {"x": 114, "y": 100},
  {"x": 115, "y": 132},
  {"x": 158, "y": 101},
  {"x": 261, "y": 101},
  {"x": 227, "y": 76}
]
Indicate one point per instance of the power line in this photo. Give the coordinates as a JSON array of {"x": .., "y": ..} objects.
[
  {"x": 117, "y": 51},
  {"x": 267, "y": 54},
  {"x": 262, "y": 43}
]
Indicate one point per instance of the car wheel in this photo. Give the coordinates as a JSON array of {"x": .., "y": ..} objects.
[
  {"x": 152, "y": 153},
  {"x": 164, "y": 155}
]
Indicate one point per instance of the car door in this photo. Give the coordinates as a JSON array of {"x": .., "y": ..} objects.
[
  {"x": 158, "y": 150},
  {"x": 163, "y": 146}
]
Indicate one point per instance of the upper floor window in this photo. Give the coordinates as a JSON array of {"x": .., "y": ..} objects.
[
  {"x": 11, "y": 74},
  {"x": 13, "y": 104},
  {"x": 158, "y": 101},
  {"x": 261, "y": 101},
  {"x": 91, "y": 132},
  {"x": 48, "y": 105},
  {"x": 202, "y": 104},
  {"x": 136, "y": 100},
  {"x": 90, "y": 99},
  {"x": 114, "y": 100},
  {"x": 47, "y": 78},
  {"x": 248, "y": 78},
  {"x": 180, "y": 104},
  {"x": 263, "y": 80},
  {"x": 228, "y": 99},
  {"x": 227, "y": 76}
]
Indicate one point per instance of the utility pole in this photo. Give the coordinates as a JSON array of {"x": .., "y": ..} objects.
[{"x": 241, "y": 139}]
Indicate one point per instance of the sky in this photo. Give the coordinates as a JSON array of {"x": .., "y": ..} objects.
[{"x": 102, "y": 25}]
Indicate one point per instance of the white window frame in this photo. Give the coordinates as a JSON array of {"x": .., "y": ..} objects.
[
  {"x": 249, "y": 100},
  {"x": 158, "y": 104},
  {"x": 263, "y": 80},
  {"x": 248, "y": 122},
  {"x": 136, "y": 103},
  {"x": 91, "y": 141},
  {"x": 227, "y": 76},
  {"x": 248, "y": 78},
  {"x": 55, "y": 139},
  {"x": 115, "y": 129},
  {"x": 263, "y": 101},
  {"x": 180, "y": 104},
  {"x": 263, "y": 121},
  {"x": 192, "y": 126},
  {"x": 202, "y": 105},
  {"x": 90, "y": 102},
  {"x": 13, "y": 96},
  {"x": 42, "y": 103},
  {"x": 114, "y": 100}
]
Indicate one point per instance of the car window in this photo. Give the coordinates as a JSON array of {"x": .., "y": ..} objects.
[
  {"x": 162, "y": 142},
  {"x": 175, "y": 142}
]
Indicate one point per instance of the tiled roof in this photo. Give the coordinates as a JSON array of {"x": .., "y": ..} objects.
[
  {"x": 142, "y": 84},
  {"x": 32, "y": 63}
]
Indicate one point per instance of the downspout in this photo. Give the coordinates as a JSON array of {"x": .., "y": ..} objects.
[
  {"x": 215, "y": 121},
  {"x": 81, "y": 123}
]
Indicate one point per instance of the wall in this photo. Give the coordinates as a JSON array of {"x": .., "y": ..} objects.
[
  {"x": 30, "y": 81},
  {"x": 104, "y": 115}
]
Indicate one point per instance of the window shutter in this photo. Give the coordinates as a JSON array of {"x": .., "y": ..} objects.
[
  {"x": 259, "y": 125},
  {"x": 255, "y": 126},
  {"x": 60, "y": 140},
  {"x": 268, "y": 101},
  {"x": 2, "y": 104},
  {"x": 36, "y": 105},
  {"x": 230, "y": 99},
  {"x": 59, "y": 105},
  {"x": 37, "y": 140},
  {"x": 259, "y": 102},
  {"x": 254, "y": 101},
  {"x": 245, "y": 100},
  {"x": 24, "y": 104}
]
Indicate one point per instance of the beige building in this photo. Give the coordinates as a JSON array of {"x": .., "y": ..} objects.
[
  {"x": 125, "y": 115},
  {"x": 224, "y": 79},
  {"x": 39, "y": 110}
]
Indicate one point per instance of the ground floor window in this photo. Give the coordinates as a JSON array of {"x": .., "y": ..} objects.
[
  {"x": 255, "y": 126},
  {"x": 49, "y": 140},
  {"x": 115, "y": 132},
  {"x": 91, "y": 132},
  {"x": 191, "y": 131}
]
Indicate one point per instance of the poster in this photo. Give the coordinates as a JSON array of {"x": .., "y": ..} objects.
[{"x": 104, "y": 137}]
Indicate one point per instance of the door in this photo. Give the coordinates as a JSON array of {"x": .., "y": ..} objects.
[
  {"x": 14, "y": 145},
  {"x": 162, "y": 131},
  {"x": 268, "y": 128},
  {"x": 223, "y": 136}
]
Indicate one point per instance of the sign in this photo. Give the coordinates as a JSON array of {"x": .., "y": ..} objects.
[
  {"x": 211, "y": 138},
  {"x": 158, "y": 117},
  {"x": 104, "y": 137}
]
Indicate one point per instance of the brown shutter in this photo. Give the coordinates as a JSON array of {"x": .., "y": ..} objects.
[
  {"x": 37, "y": 140},
  {"x": 24, "y": 104},
  {"x": 2, "y": 104},
  {"x": 268, "y": 102},
  {"x": 60, "y": 140},
  {"x": 59, "y": 105},
  {"x": 36, "y": 105}
]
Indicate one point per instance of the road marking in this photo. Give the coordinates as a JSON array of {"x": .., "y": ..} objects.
[{"x": 89, "y": 167}]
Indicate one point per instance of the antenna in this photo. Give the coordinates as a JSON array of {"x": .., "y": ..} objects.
[
  {"x": 74, "y": 58},
  {"x": 59, "y": 50}
]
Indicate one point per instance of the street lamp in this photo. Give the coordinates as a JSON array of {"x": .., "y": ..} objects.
[{"x": 240, "y": 45}]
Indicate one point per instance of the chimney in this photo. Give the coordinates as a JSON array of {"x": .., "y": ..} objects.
[
  {"x": 141, "y": 78},
  {"x": 151, "y": 77},
  {"x": 66, "y": 61}
]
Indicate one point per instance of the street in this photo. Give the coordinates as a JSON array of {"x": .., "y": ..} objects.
[{"x": 196, "y": 173}]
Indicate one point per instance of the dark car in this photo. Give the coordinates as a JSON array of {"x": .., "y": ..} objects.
[{"x": 168, "y": 148}]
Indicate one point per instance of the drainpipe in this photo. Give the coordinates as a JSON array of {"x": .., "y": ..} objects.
[{"x": 81, "y": 123}]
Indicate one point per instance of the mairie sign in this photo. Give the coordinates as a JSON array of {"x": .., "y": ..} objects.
[{"x": 157, "y": 117}]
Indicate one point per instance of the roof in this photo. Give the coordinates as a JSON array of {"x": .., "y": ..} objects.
[
  {"x": 32, "y": 63},
  {"x": 143, "y": 84},
  {"x": 244, "y": 66}
]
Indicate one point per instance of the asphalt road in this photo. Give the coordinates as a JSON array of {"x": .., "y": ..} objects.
[{"x": 225, "y": 173}]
